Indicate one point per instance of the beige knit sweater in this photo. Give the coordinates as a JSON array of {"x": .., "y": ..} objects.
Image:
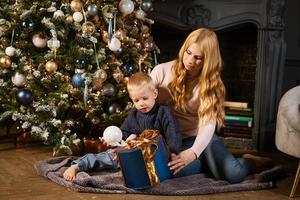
[{"x": 188, "y": 121}]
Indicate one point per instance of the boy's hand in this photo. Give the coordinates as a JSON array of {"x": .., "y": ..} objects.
[
  {"x": 113, "y": 151},
  {"x": 116, "y": 151},
  {"x": 104, "y": 145},
  {"x": 103, "y": 142}
]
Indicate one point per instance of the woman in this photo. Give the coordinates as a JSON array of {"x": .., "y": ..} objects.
[{"x": 191, "y": 85}]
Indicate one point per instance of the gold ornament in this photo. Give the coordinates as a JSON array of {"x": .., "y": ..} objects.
[
  {"x": 149, "y": 44},
  {"x": 125, "y": 80},
  {"x": 138, "y": 45},
  {"x": 105, "y": 36},
  {"x": 120, "y": 34},
  {"x": 5, "y": 62},
  {"x": 51, "y": 66},
  {"x": 69, "y": 19},
  {"x": 97, "y": 84},
  {"x": 88, "y": 28},
  {"x": 96, "y": 19},
  {"x": 101, "y": 74},
  {"x": 76, "y": 5},
  {"x": 99, "y": 78},
  {"x": 145, "y": 29},
  {"x": 118, "y": 75},
  {"x": 146, "y": 35}
]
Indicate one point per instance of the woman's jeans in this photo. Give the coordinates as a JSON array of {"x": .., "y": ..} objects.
[{"x": 218, "y": 161}]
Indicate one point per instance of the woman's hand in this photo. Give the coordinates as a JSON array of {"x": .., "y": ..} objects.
[{"x": 181, "y": 160}]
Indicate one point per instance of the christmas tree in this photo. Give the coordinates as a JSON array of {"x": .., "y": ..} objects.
[{"x": 64, "y": 65}]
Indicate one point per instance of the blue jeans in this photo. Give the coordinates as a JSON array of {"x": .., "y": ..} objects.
[
  {"x": 97, "y": 162},
  {"x": 217, "y": 161}
]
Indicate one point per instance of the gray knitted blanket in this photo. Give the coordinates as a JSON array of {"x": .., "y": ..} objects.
[{"x": 112, "y": 182}]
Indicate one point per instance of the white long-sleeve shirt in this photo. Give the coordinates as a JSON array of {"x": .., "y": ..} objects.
[{"x": 188, "y": 120}]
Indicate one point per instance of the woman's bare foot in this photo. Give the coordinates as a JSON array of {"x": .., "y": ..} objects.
[{"x": 71, "y": 172}]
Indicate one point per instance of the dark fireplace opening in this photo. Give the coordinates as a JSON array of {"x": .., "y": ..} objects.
[{"x": 239, "y": 49}]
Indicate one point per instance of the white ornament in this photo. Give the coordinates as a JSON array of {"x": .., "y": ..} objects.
[
  {"x": 77, "y": 16},
  {"x": 39, "y": 41},
  {"x": 58, "y": 14},
  {"x": 126, "y": 6},
  {"x": 140, "y": 14},
  {"x": 112, "y": 135},
  {"x": 80, "y": 70},
  {"x": 114, "y": 44},
  {"x": 53, "y": 43},
  {"x": 18, "y": 79},
  {"x": 10, "y": 51}
]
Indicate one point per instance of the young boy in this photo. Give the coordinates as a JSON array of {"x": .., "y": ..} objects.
[{"x": 148, "y": 114}]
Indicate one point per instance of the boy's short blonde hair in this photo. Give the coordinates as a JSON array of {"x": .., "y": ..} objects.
[{"x": 140, "y": 80}]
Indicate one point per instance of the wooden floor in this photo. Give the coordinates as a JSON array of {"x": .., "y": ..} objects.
[{"x": 18, "y": 180}]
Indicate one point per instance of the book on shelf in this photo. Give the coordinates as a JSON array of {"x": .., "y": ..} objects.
[
  {"x": 239, "y": 109},
  {"x": 238, "y": 123},
  {"x": 238, "y": 135},
  {"x": 229, "y": 111},
  {"x": 238, "y": 118},
  {"x": 236, "y": 131},
  {"x": 236, "y": 104}
]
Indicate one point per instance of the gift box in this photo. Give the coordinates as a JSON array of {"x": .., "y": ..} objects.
[{"x": 144, "y": 161}]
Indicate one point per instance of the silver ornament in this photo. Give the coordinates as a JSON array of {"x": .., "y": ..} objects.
[
  {"x": 126, "y": 7},
  {"x": 147, "y": 5},
  {"x": 92, "y": 10},
  {"x": 114, "y": 108},
  {"x": 109, "y": 89},
  {"x": 53, "y": 43},
  {"x": 140, "y": 14}
]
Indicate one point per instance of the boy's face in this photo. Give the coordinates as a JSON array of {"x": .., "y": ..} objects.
[{"x": 143, "y": 98}]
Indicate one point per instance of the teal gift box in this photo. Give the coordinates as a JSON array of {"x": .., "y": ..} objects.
[{"x": 144, "y": 163}]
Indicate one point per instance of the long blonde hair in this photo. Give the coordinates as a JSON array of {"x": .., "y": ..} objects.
[{"x": 212, "y": 90}]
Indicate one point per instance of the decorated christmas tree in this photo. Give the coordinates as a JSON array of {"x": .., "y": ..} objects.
[{"x": 64, "y": 65}]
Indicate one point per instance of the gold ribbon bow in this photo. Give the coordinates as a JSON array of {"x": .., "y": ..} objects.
[{"x": 148, "y": 145}]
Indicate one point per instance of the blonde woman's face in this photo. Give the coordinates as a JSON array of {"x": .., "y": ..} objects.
[
  {"x": 193, "y": 59},
  {"x": 143, "y": 98}
]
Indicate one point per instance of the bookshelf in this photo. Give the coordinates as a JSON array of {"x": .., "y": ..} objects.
[{"x": 238, "y": 120}]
